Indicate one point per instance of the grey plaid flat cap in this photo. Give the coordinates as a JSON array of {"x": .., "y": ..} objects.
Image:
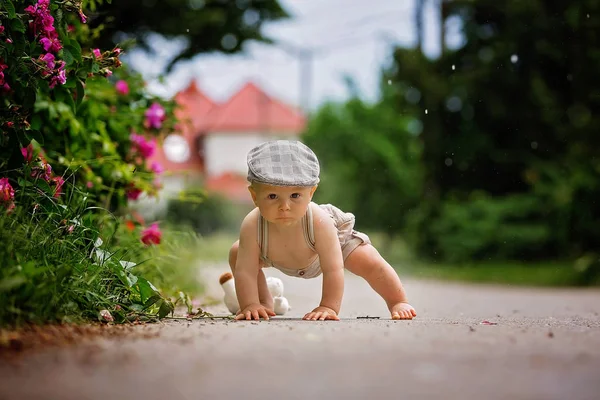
[{"x": 283, "y": 163}]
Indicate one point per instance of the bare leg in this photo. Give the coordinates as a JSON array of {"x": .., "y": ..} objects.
[
  {"x": 264, "y": 295},
  {"x": 367, "y": 263}
]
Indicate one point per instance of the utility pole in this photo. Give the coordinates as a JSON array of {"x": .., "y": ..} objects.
[
  {"x": 419, "y": 6},
  {"x": 443, "y": 16},
  {"x": 305, "y": 58}
]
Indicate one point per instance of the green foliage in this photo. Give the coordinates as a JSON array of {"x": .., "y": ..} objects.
[
  {"x": 369, "y": 162},
  {"x": 205, "y": 25},
  {"x": 488, "y": 228},
  {"x": 68, "y": 164},
  {"x": 82, "y": 122},
  {"x": 54, "y": 269},
  {"x": 204, "y": 213},
  {"x": 509, "y": 114}
]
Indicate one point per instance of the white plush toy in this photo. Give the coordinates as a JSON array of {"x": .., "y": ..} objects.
[{"x": 275, "y": 285}]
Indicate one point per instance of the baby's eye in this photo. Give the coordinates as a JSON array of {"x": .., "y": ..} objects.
[
  {"x": 295, "y": 195},
  {"x": 272, "y": 196}
]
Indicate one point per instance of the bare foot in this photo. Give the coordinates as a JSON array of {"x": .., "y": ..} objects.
[{"x": 403, "y": 311}]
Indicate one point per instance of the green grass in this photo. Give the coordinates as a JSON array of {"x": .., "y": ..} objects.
[
  {"x": 512, "y": 273},
  {"x": 215, "y": 248},
  {"x": 546, "y": 273}
]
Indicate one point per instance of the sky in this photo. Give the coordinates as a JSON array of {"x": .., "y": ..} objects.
[{"x": 356, "y": 37}]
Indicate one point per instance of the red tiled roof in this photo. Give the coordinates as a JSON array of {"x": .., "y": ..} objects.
[
  {"x": 252, "y": 110},
  {"x": 194, "y": 104},
  {"x": 231, "y": 185}
]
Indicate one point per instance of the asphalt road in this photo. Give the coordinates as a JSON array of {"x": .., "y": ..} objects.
[{"x": 536, "y": 344}]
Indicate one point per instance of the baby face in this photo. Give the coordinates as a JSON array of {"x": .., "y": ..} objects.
[{"x": 282, "y": 205}]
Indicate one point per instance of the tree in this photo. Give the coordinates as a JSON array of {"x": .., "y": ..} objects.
[
  {"x": 207, "y": 25},
  {"x": 370, "y": 162},
  {"x": 512, "y": 118}
]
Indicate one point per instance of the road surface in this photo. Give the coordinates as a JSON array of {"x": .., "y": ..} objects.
[{"x": 536, "y": 344}]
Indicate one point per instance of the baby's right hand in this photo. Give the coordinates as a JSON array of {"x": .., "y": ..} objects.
[{"x": 254, "y": 311}]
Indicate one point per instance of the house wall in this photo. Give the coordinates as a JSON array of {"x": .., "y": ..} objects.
[{"x": 226, "y": 152}]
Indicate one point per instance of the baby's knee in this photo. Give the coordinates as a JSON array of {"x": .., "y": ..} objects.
[{"x": 233, "y": 252}]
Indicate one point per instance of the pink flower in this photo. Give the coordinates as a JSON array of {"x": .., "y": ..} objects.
[
  {"x": 27, "y": 152},
  {"x": 51, "y": 44},
  {"x": 155, "y": 115},
  {"x": 105, "y": 316},
  {"x": 48, "y": 58},
  {"x": 117, "y": 51},
  {"x": 122, "y": 87},
  {"x": 42, "y": 170},
  {"x": 151, "y": 235},
  {"x": 156, "y": 168},
  {"x": 133, "y": 193},
  {"x": 146, "y": 148},
  {"x": 7, "y": 193},
  {"x": 89, "y": 185},
  {"x": 97, "y": 53},
  {"x": 1, "y": 29},
  {"x": 82, "y": 17},
  {"x": 60, "y": 76},
  {"x": 59, "y": 182}
]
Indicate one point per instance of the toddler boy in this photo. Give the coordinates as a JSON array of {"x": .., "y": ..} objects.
[{"x": 289, "y": 232}]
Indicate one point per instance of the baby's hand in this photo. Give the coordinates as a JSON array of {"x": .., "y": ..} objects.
[
  {"x": 321, "y": 313},
  {"x": 254, "y": 311},
  {"x": 403, "y": 311}
]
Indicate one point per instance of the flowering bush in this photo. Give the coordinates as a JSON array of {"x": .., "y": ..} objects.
[
  {"x": 65, "y": 98},
  {"x": 76, "y": 130}
]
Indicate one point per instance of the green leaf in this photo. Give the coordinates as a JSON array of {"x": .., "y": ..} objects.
[
  {"x": 74, "y": 50},
  {"x": 165, "y": 308},
  {"x": 136, "y": 307},
  {"x": 36, "y": 122},
  {"x": 145, "y": 289},
  {"x": 153, "y": 299},
  {"x": 35, "y": 134},
  {"x": 70, "y": 102},
  {"x": 67, "y": 56},
  {"x": 10, "y": 8},
  {"x": 17, "y": 25},
  {"x": 59, "y": 94},
  {"x": 80, "y": 92},
  {"x": 29, "y": 98},
  {"x": 95, "y": 68}
]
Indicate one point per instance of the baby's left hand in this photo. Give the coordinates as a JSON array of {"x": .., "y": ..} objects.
[
  {"x": 321, "y": 313},
  {"x": 403, "y": 311}
]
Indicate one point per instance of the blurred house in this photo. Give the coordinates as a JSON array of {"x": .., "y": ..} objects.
[{"x": 213, "y": 139}]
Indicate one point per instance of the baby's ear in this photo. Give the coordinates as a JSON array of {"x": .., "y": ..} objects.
[
  {"x": 312, "y": 191},
  {"x": 252, "y": 193}
]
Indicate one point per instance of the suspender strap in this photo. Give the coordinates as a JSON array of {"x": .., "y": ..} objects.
[
  {"x": 263, "y": 237},
  {"x": 308, "y": 228}
]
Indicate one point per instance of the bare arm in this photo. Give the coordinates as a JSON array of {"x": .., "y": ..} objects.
[
  {"x": 247, "y": 264},
  {"x": 332, "y": 262}
]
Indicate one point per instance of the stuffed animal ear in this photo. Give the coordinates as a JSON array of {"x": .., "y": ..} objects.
[
  {"x": 275, "y": 286},
  {"x": 225, "y": 277}
]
